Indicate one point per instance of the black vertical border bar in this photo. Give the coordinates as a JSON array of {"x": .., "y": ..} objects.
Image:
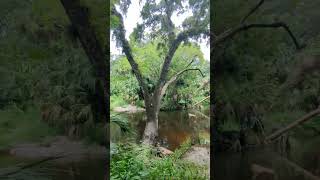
[
  {"x": 107, "y": 49},
  {"x": 212, "y": 93}
]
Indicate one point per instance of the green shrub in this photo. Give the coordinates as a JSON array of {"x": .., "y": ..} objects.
[
  {"x": 116, "y": 101},
  {"x": 132, "y": 161}
]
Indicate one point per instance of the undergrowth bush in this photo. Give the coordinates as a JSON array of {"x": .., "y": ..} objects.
[{"x": 132, "y": 161}]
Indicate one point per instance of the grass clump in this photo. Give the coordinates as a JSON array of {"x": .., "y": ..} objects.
[
  {"x": 132, "y": 161},
  {"x": 117, "y": 101}
]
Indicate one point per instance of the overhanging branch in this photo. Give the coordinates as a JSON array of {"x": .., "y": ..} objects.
[
  {"x": 243, "y": 27},
  {"x": 217, "y": 39},
  {"x": 293, "y": 124},
  {"x": 175, "y": 77}
]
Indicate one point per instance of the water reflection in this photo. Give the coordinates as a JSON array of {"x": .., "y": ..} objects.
[{"x": 174, "y": 127}]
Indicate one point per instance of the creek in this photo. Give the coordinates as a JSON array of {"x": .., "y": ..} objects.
[{"x": 174, "y": 128}]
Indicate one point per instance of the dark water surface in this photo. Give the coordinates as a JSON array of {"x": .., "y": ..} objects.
[
  {"x": 88, "y": 169},
  {"x": 304, "y": 152},
  {"x": 174, "y": 127}
]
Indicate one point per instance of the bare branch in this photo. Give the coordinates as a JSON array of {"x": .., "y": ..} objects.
[
  {"x": 128, "y": 52},
  {"x": 200, "y": 101},
  {"x": 301, "y": 120},
  {"x": 175, "y": 77},
  {"x": 231, "y": 32},
  {"x": 254, "y": 9},
  {"x": 191, "y": 61}
]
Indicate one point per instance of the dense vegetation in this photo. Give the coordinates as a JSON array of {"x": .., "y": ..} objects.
[
  {"x": 185, "y": 92},
  {"x": 44, "y": 70},
  {"x": 131, "y": 161},
  {"x": 261, "y": 77}
]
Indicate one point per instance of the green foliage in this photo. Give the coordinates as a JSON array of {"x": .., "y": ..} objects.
[
  {"x": 180, "y": 94},
  {"x": 43, "y": 64},
  {"x": 122, "y": 122},
  {"x": 160, "y": 25},
  {"x": 132, "y": 161},
  {"x": 120, "y": 128},
  {"x": 184, "y": 147},
  {"x": 252, "y": 67},
  {"x": 66, "y": 94},
  {"x": 116, "y": 101}
]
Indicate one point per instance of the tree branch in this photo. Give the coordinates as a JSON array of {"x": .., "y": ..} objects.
[
  {"x": 201, "y": 101},
  {"x": 254, "y": 9},
  {"x": 293, "y": 124},
  {"x": 128, "y": 52},
  {"x": 79, "y": 18},
  {"x": 243, "y": 27},
  {"x": 174, "y": 46},
  {"x": 175, "y": 77}
]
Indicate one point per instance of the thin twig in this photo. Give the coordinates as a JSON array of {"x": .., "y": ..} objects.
[{"x": 255, "y": 8}]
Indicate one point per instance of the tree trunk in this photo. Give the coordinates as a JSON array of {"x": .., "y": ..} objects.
[
  {"x": 79, "y": 18},
  {"x": 151, "y": 130}
]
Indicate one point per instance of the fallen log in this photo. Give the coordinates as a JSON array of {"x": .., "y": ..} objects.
[{"x": 301, "y": 120}]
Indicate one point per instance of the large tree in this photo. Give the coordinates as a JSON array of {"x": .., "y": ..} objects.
[{"x": 157, "y": 21}]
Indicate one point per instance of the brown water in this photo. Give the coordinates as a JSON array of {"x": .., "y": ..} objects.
[
  {"x": 305, "y": 152},
  {"x": 174, "y": 127},
  {"x": 88, "y": 169}
]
